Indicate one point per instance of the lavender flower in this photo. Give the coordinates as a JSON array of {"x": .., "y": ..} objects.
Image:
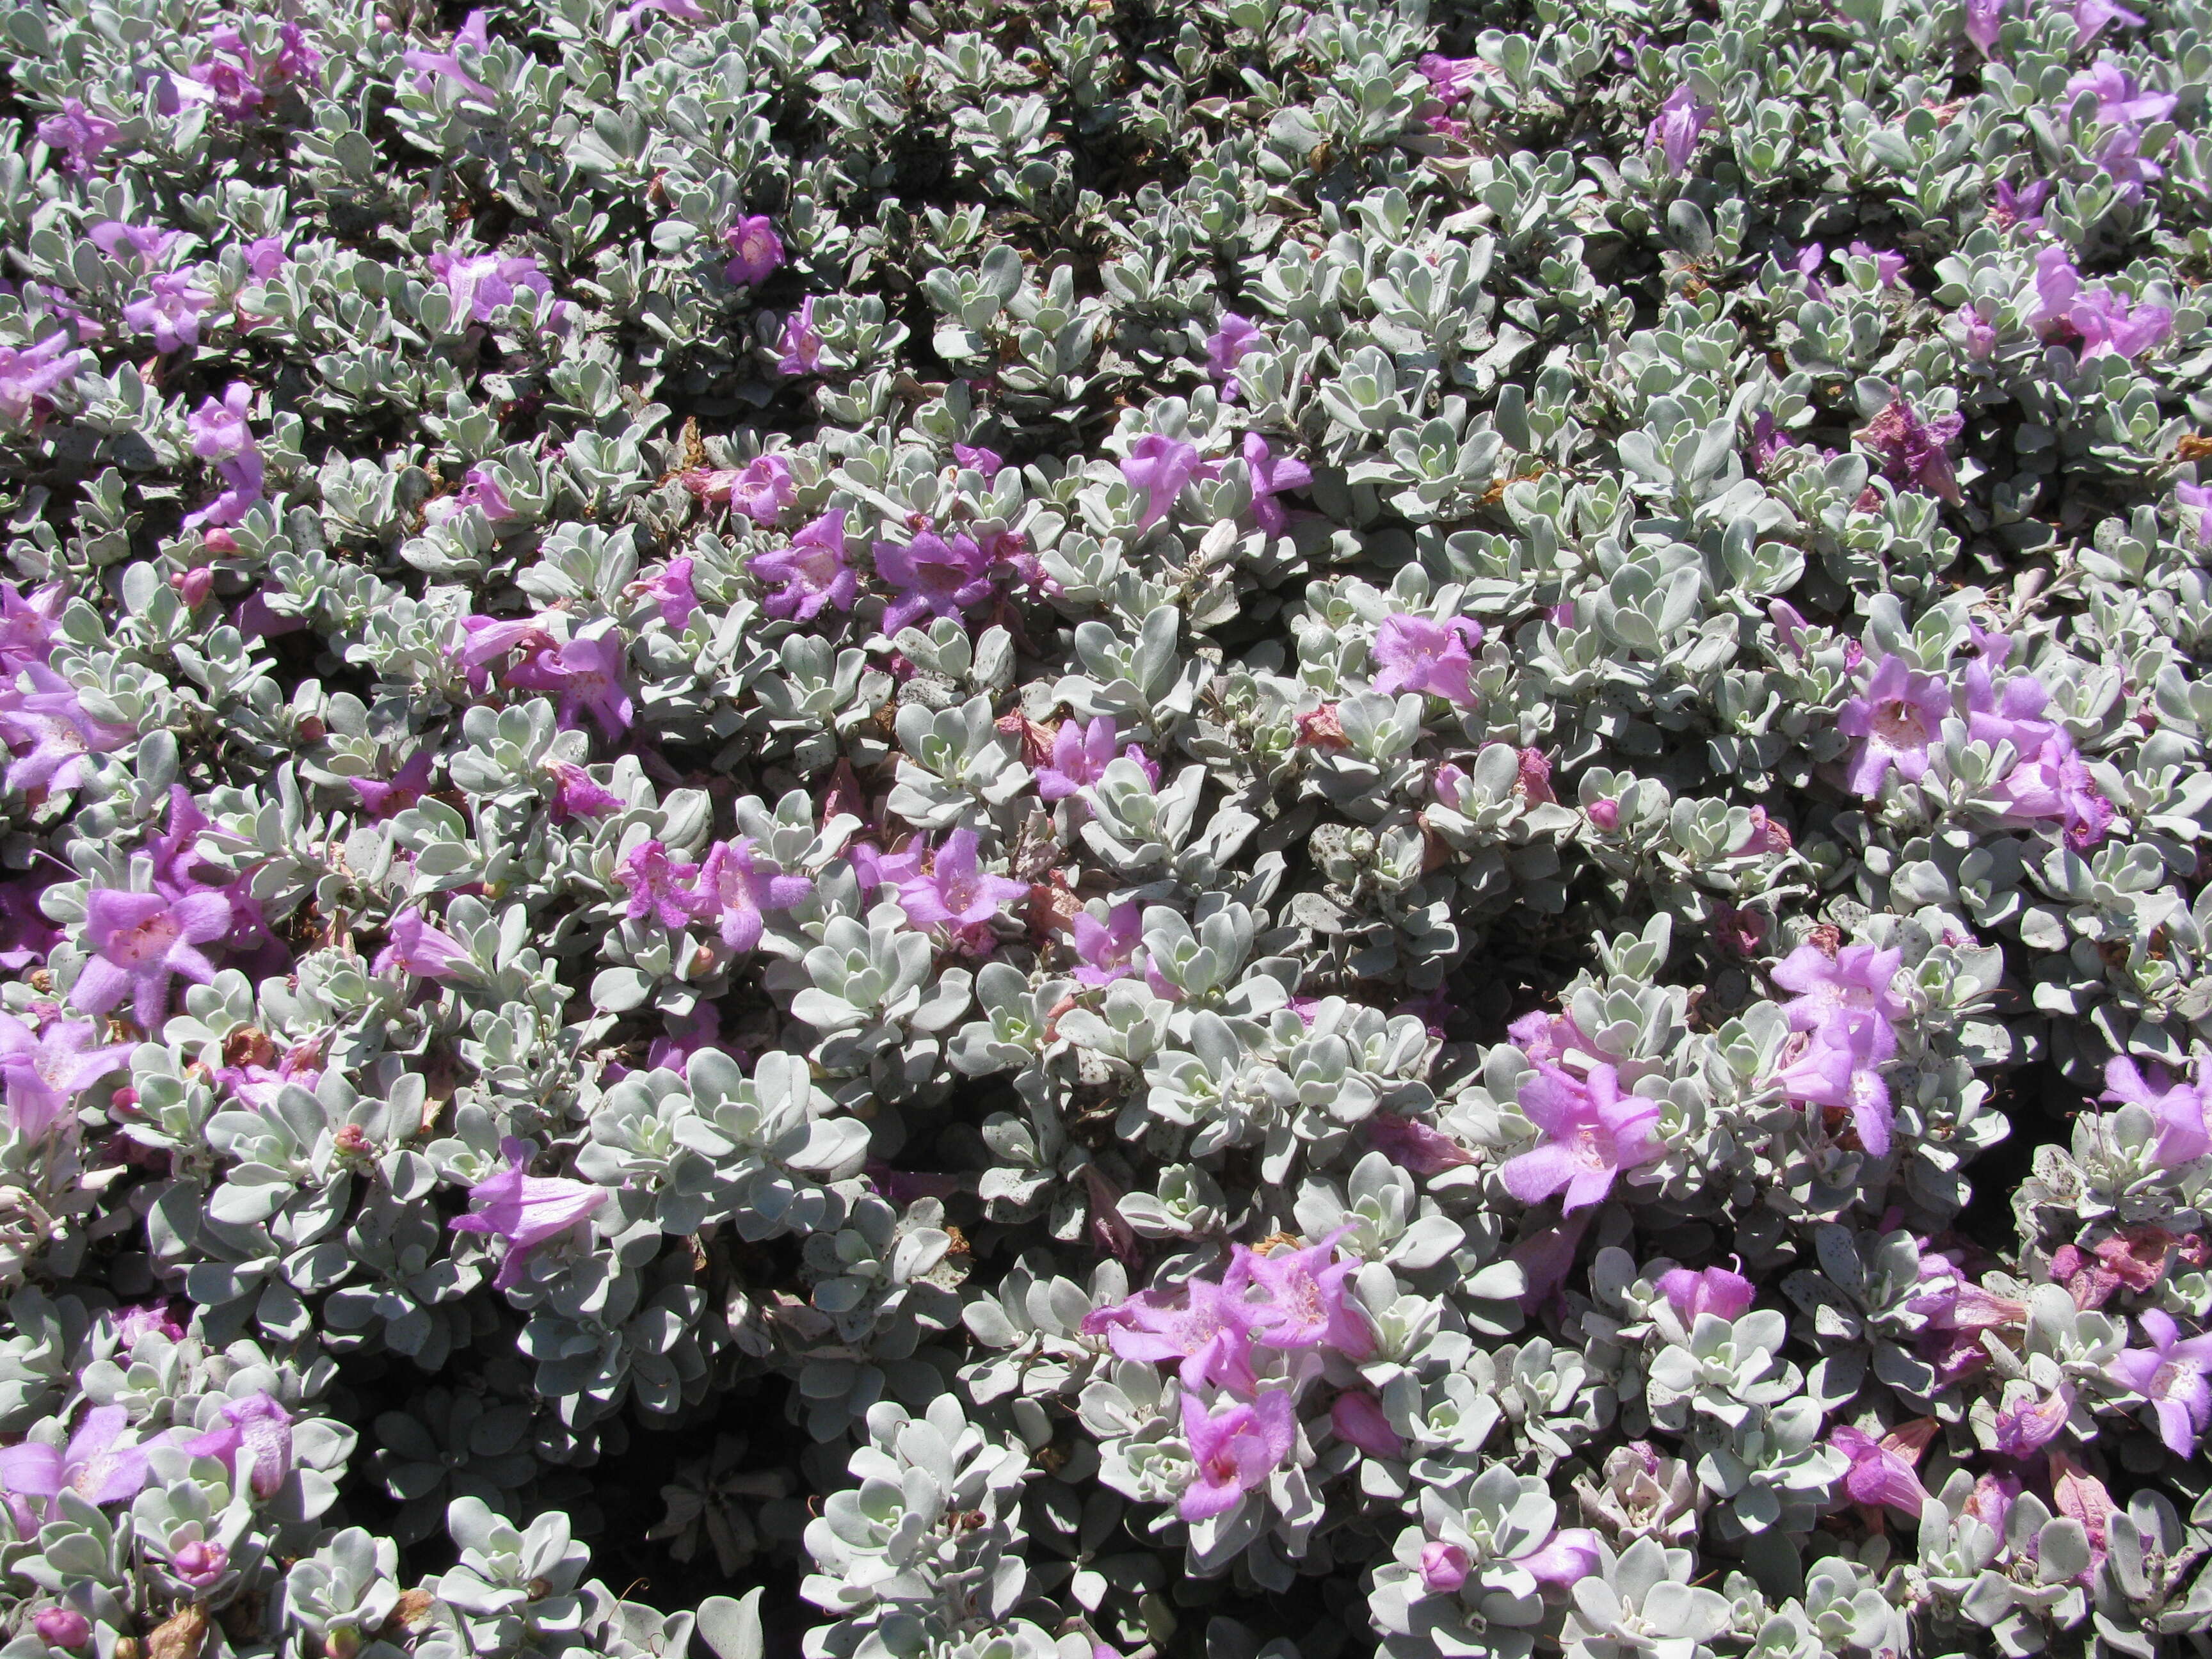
[
  {"x": 956, "y": 893},
  {"x": 1715, "y": 1291},
  {"x": 812, "y": 571},
  {"x": 526, "y": 1210},
  {"x": 1451, "y": 79},
  {"x": 586, "y": 673},
  {"x": 1984, "y": 20},
  {"x": 800, "y": 343},
  {"x": 2170, "y": 1374},
  {"x": 148, "y": 246},
  {"x": 986, "y": 462},
  {"x": 433, "y": 67},
  {"x": 142, "y": 941},
  {"x": 480, "y": 490},
  {"x": 754, "y": 250},
  {"x": 576, "y": 795},
  {"x": 171, "y": 313},
  {"x": 1881, "y": 1473},
  {"x": 1675, "y": 129},
  {"x": 1079, "y": 757},
  {"x": 1896, "y": 719},
  {"x": 735, "y": 888},
  {"x": 1913, "y": 450},
  {"x": 483, "y": 285},
  {"x": 29, "y": 375},
  {"x": 44, "y": 1071},
  {"x": 1420, "y": 655},
  {"x": 932, "y": 577},
  {"x": 1592, "y": 1132},
  {"x": 1235, "y": 1451},
  {"x": 1160, "y": 469},
  {"x": 1271, "y": 475},
  {"x": 91, "y": 1465},
  {"x": 82, "y": 135},
  {"x": 1225, "y": 348},
  {"x": 2184, "y": 1126},
  {"x": 416, "y": 947},
  {"x": 255, "y": 1439},
  {"x": 1106, "y": 949},
  {"x": 1206, "y": 1330}
]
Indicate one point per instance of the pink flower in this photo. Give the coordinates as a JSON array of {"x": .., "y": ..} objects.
[
  {"x": 733, "y": 887},
  {"x": 524, "y": 1209},
  {"x": 1444, "y": 1567},
  {"x": 142, "y": 940},
  {"x": 1896, "y": 719},
  {"x": 1605, "y": 814},
  {"x": 1080, "y": 755},
  {"x": 2027, "y": 1427},
  {"x": 62, "y": 1627},
  {"x": 83, "y": 137},
  {"x": 483, "y": 285},
  {"x": 1591, "y": 1132},
  {"x": 1858, "y": 979},
  {"x": 1161, "y": 469},
  {"x": 1225, "y": 348},
  {"x": 1271, "y": 476},
  {"x": 1675, "y": 129},
  {"x": 1715, "y": 1291},
  {"x": 800, "y": 345},
  {"x": 2171, "y": 1375},
  {"x": 763, "y": 489},
  {"x": 92, "y": 1466},
  {"x": 44, "y": 1071},
  {"x": 587, "y": 674},
  {"x": 1418, "y": 653},
  {"x": 1357, "y": 1419},
  {"x": 53, "y": 732},
  {"x": 408, "y": 786},
  {"x": 1105, "y": 949},
  {"x": 171, "y": 313},
  {"x": 1207, "y": 1329},
  {"x": 255, "y": 1439},
  {"x": 754, "y": 250},
  {"x": 1836, "y": 1067},
  {"x": 812, "y": 571},
  {"x": 416, "y": 947},
  {"x": 932, "y": 577},
  {"x": 987, "y": 462},
  {"x": 670, "y": 588},
  {"x": 1881, "y": 1474},
  {"x": 1543, "y": 1036},
  {"x": 654, "y": 882},
  {"x": 2184, "y": 1129},
  {"x": 956, "y": 893},
  {"x": 1235, "y": 1451},
  {"x": 1306, "y": 1303},
  {"x": 1450, "y": 78},
  {"x": 576, "y": 795},
  {"x": 28, "y": 374},
  {"x": 200, "y": 1564},
  {"x": 479, "y": 489}
]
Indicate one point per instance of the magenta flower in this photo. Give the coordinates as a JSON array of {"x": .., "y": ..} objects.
[
  {"x": 484, "y": 284},
  {"x": 2054, "y": 783},
  {"x": 800, "y": 345},
  {"x": 1306, "y": 1303},
  {"x": 754, "y": 250},
  {"x": 432, "y": 67},
  {"x": 148, "y": 247},
  {"x": 956, "y": 893},
  {"x": 1543, "y": 1036},
  {"x": 1450, "y": 78},
  {"x": 978, "y": 459},
  {"x": 1896, "y": 719},
  {"x": 575, "y": 795},
  {"x": 730, "y": 883},
  {"x": 1984, "y": 19},
  {"x": 1418, "y": 653},
  {"x": 142, "y": 941},
  {"x": 2185, "y": 1128},
  {"x": 255, "y": 1439},
  {"x": 53, "y": 732},
  {"x": 1591, "y": 1132},
  {"x": 812, "y": 571},
  {"x": 1225, "y": 348},
  {"x": 31, "y": 373},
  {"x": 2026, "y": 1426},
  {"x": 479, "y": 489},
  {"x": 83, "y": 137},
  {"x": 1675, "y": 129},
  {"x": 1106, "y": 949},
  {"x": 1235, "y": 1451},
  {"x": 1715, "y": 1291},
  {"x": 1357, "y": 1416},
  {"x": 1207, "y": 1329},
  {"x": 1444, "y": 1567},
  {"x": 932, "y": 577},
  {"x": 1836, "y": 1067},
  {"x": 1915, "y": 452},
  {"x": 670, "y": 588},
  {"x": 171, "y": 313},
  {"x": 382, "y": 799},
  {"x": 524, "y": 1209},
  {"x": 1271, "y": 476},
  {"x": 62, "y": 1627},
  {"x": 1567, "y": 1556},
  {"x": 2170, "y": 1374},
  {"x": 92, "y": 1466},
  {"x": 199, "y": 1564},
  {"x": 1161, "y": 468},
  {"x": 587, "y": 674},
  {"x": 1856, "y": 981},
  {"x": 1080, "y": 754},
  {"x": 44, "y": 1071},
  {"x": 763, "y": 489},
  {"x": 1881, "y": 1474},
  {"x": 655, "y": 884},
  {"x": 414, "y": 946}
]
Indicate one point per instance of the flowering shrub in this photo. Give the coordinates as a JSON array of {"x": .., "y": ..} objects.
[{"x": 1094, "y": 829}]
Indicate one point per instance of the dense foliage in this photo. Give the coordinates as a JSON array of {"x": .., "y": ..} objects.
[{"x": 1048, "y": 829}]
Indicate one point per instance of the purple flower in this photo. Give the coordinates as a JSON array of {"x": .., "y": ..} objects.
[
  {"x": 683, "y": 1038},
  {"x": 255, "y": 1439},
  {"x": 1715, "y": 1291},
  {"x": 147, "y": 246},
  {"x": 2200, "y": 497},
  {"x": 1414, "y": 1146},
  {"x": 1913, "y": 452},
  {"x": 2110, "y": 327},
  {"x": 1161, "y": 468},
  {"x": 1357, "y": 1416},
  {"x": 431, "y": 67},
  {"x": 587, "y": 674},
  {"x": 654, "y": 882},
  {"x": 2054, "y": 783},
  {"x": 1105, "y": 949},
  {"x": 294, "y": 59},
  {"x": 1675, "y": 129},
  {"x": 1450, "y": 78},
  {"x": 32, "y": 372},
  {"x": 985, "y": 461},
  {"x": 26, "y": 935},
  {"x": 1235, "y": 1451},
  {"x": 670, "y": 589},
  {"x": 956, "y": 892},
  {"x": 812, "y": 571},
  {"x": 1856, "y": 981},
  {"x": 92, "y": 1466},
  {"x": 1307, "y": 1304},
  {"x": 689, "y": 10},
  {"x": 2091, "y": 18},
  {"x": 1881, "y": 1474},
  {"x": 1569, "y": 1555},
  {"x": 2170, "y": 1374},
  {"x": 1444, "y": 1567},
  {"x": 414, "y": 946},
  {"x": 2119, "y": 100},
  {"x": 800, "y": 345},
  {"x": 576, "y": 796},
  {"x": 171, "y": 313},
  {"x": 479, "y": 489},
  {"x": 383, "y": 799},
  {"x": 44, "y": 1071},
  {"x": 1984, "y": 18},
  {"x": 1887, "y": 266},
  {"x": 2185, "y": 1128},
  {"x": 484, "y": 284},
  {"x": 82, "y": 135},
  {"x": 1271, "y": 476},
  {"x": 763, "y": 489},
  {"x": 1079, "y": 757},
  {"x": 2026, "y": 1425},
  {"x": 1896, "y": 719},
  {"x": 1418, "y": 653},
  {"x": 1543, "y": 1036},
  {"x": 266, "y": 256},
  {"x": 754, "y": 250},
  {"x": 53, "y": 732},
  {"x": 2023, "y": 208},
  {"x": 2122, "y": 158},
  {"x": 524, "y": 1209},
  {"x": 1767, "y": 443},
  {"x": 1591, "y": 1132},
  {"x": 732, "y": 884},
  {"x": 1207, "y": 1329},
  {"x": 62, "y": 1627},
  {"x": 1836, "y": 1067},
  {"x": 220, "y": 434},
  {"x": 932, "y": 577},
  {"x": 1225, "y": 348},
  {"x": 226, "y": 80},
  {"x": 142, "y": 940}
]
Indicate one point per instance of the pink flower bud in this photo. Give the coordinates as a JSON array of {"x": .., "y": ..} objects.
[
  {"x": 1443, "y": 1566},
  {"x": 1605, "y": 814},
  {"x": 200, "y": 1565},
  {"x": 63, "y": 1627}
]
